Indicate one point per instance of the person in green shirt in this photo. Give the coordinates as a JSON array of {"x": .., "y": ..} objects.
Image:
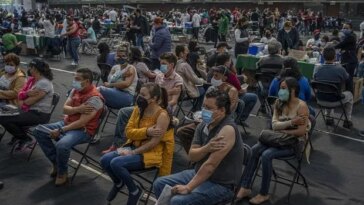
[
  {"x": 10, "y": 43},
  {"x": 223, "y": 25}
]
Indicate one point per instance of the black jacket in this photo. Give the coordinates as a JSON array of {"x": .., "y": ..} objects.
[
  {"x": 348, "y": 49},
  {"x": 289, "y": 40}
]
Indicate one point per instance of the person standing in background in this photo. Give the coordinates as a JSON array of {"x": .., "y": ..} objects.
[
  {"x": 349, "y": 58},
  {"x": 196, "y": 19},
  {"x": 242, "y": 38}
]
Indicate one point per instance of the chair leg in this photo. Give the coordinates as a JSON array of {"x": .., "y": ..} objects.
[
  {"x": 32, "y": 150},
  {"x": 246, "y": 133},
  {"x": 151, "y": 188},
  {"x": 2, "y": 134},
  {"x": 79, "y": 163},
  {"x": 107, "y": 117}
]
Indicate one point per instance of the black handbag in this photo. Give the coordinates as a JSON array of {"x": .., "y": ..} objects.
[{"x": 277, "y": 139}]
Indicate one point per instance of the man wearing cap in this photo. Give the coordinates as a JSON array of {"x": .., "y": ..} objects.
[
  {"x": 161, "y": 42},
  {"x": 315, "y": 42}
]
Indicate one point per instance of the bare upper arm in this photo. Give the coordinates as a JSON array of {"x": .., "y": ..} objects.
[
  {"x": 163, "y": 122},
  {"x": 229, "y": 136},
  {"x": 87, "y": 117},
  {"x": 130, "y": 77}
]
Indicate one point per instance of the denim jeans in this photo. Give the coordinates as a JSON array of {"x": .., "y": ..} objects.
[
  {"x": 86, "y": 43},
  {"x": 115, "y": 98},
  {"x": 201, "y": 91},
  {"x": 59, "y": 152},
  {"x": 119, "y": 167},
  {"x": 206, "y": 193},
  {"x": 139, "y": 40},
  {"x": 267, "y": 154},
  {"x": 121, "y": 122},
  {"x": 360, "y": 72},
  {"x": 250, "y": 99},
  {"x": 15, "y": 124},
  {"x": 74, "y": 43}
]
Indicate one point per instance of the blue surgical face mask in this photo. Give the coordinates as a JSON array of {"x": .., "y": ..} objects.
[
  {"x": 121, "y": 61},
  {"x": 283, "y": 94},
  {"x": 163, "y": 68},
  {"x": 10, "y": 69},
  {"x": 76, "y": 85},
  {"x": 206, "y": 116}
]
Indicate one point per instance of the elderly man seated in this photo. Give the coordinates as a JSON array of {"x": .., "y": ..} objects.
[{"x": 273, "y": 62}]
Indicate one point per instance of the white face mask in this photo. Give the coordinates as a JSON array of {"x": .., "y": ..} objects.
[{"x": 215, "y": 82}]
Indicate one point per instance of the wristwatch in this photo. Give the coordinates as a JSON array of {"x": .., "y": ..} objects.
[{"x": 61, "y": 131}]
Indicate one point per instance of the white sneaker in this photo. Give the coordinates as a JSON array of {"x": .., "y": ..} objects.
[{"x": 74, "y": 63}]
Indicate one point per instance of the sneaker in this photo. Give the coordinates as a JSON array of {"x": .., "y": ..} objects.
[
  {"x": 134, "y": 199},
  {"x": 61, "y": 180},
  {"x": 259, "y": 199},
  {"x": 329, "y": 121},
  {"x": 361, "y": 133},
  {"x": 347, "y": 124},
  {"x": 74, "y": 63},
  {"x": 114, "y": 191},
  {"x": 110, "y": 149}
]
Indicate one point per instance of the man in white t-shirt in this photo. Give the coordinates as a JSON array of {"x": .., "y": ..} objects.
[
  {"x": 113, "y": 15},
  {"x": 196, "y": 19}
]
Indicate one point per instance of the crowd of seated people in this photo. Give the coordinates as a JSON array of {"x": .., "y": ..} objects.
[{"x": 144, "y": 131}]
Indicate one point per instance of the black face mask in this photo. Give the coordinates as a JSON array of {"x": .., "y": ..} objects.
[
  {"x": 268, "y": 35},
  {"x": 28, "y": 73},
  {"x": 142, "y": 103}
]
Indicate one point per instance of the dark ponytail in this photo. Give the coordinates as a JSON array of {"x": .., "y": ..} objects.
[{"x": 164, "y": 98}]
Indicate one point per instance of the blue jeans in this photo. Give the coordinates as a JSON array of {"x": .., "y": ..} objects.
[
  {"x": 115, "y": 98},
  {"x": 206, "y": 193},
  {"x": 59, "y": 152},
  {"x": 74, "y": 43},
  {"x": 267, "y": 154},
  {"x": 118, "y": 167},
  {"x": 360, "y": 72},
  {"x": 121, "y": 122},
  {"x": 139, "y": 40},
  {"x": 250, "y": 99},
  {"x": 201, "y": 91}
]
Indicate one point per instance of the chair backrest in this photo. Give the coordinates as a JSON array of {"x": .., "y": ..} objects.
[
  {"x": 326, "y": 90},
  {"x": 264, "y": 80},
  {"x": 102, "y": 118},
  {"x": 96, "y": 78},
  {"x": 105, "y": 70},
  {"x": 55, "y": 100}
]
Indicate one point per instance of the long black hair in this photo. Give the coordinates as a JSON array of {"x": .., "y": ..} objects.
[
  {"x": 162, "y": 97},
  {"x": 291, "y": 83},
  {"x": 104, "y": 50},
  {"x": 42, "y": 67},
  {"x": 135, "y": 55}
]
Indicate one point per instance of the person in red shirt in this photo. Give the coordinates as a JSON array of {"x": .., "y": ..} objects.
[{"x": 74, "y": 39}]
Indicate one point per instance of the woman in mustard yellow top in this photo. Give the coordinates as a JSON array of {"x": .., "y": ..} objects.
[{"x": 150, "y": 142}]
